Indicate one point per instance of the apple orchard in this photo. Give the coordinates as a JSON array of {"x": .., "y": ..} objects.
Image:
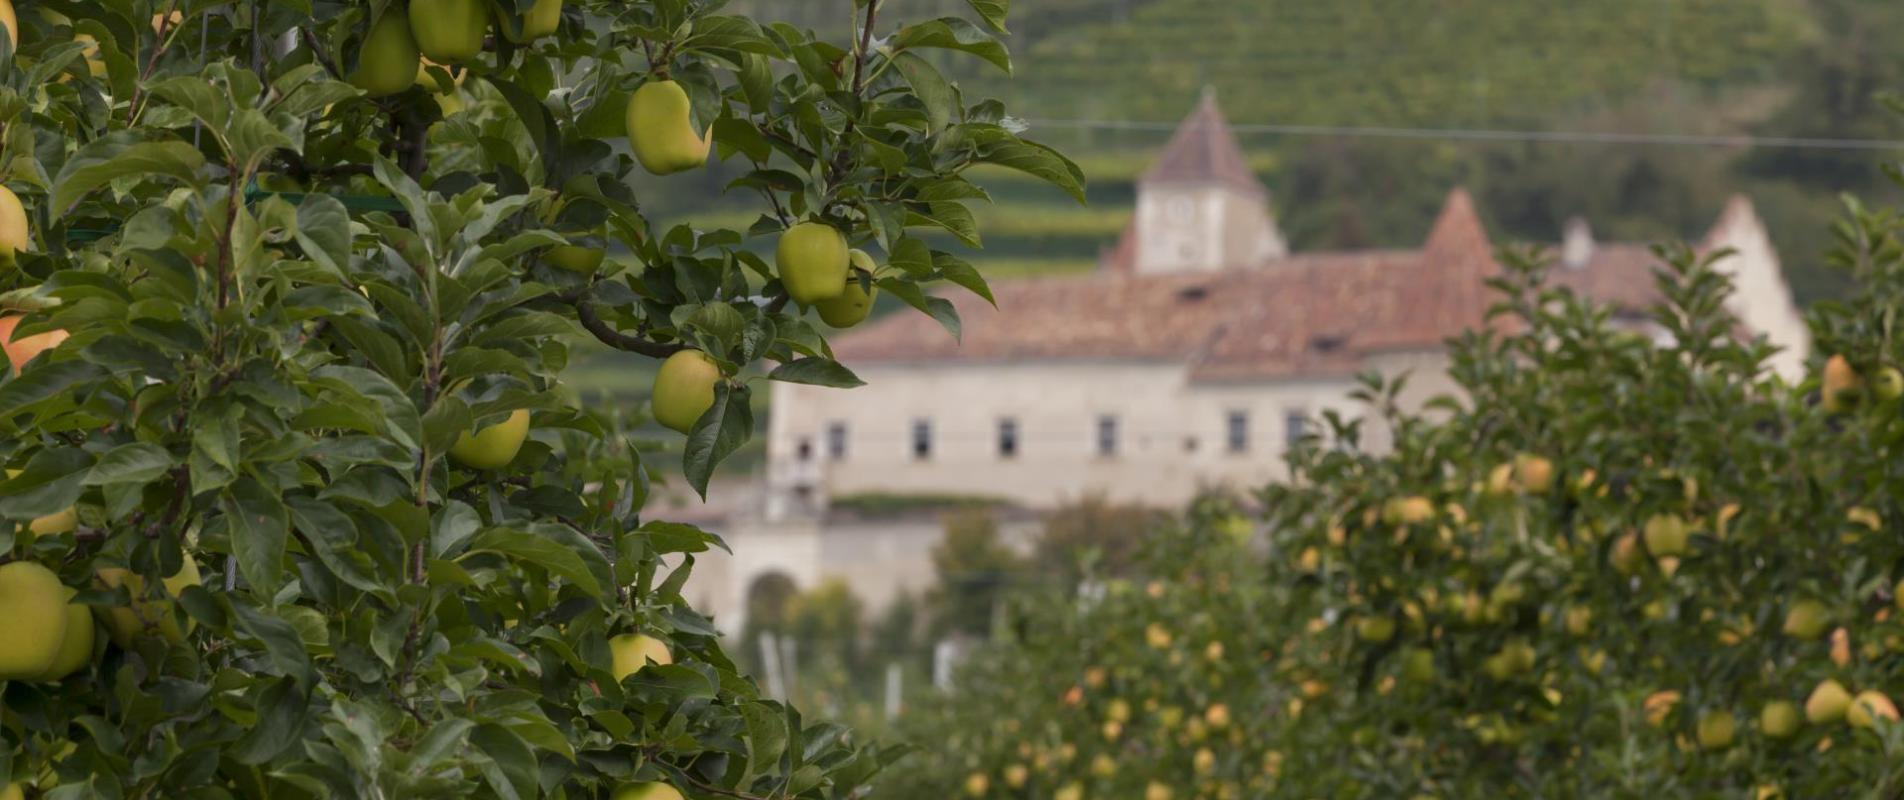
[
  {"x": 300, "y": 505},
  {"x": 1610, "y": 568}
]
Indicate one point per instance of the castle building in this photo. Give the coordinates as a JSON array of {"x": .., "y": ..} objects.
[{"x": 1192, "y": 358}]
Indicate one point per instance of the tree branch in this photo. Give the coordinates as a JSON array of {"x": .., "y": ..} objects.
[{"x": 592, "y": 322}]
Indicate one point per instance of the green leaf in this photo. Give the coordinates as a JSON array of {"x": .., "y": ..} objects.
[
  {"x": 139, "y": 462},
  {"x": 541, "y": 551},
  {"x": 993, "y": 12},
  {"x": 959, "y": 271},
  {"x": 938, "y": 308},
  {"x": 717, "y": 434},
  {"x": 1038, "y": 161},
  {"x": 281, "y": 642},
  {"x": 259, "y": 527},
  {"x": 816, "y": 371},
  {"x": 323, "y": 231},
  {"x": 114, "y": 157},
  {"x": 510, "y": 768},
  {"x": 953, "y": 33},
  {"x": 938, "y": 96}
]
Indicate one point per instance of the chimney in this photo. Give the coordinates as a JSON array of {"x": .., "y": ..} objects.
[{"x": 1576, "y": 243}]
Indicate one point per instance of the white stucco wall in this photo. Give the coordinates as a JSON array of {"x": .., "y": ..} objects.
[
  {"x": 1761, "y": 299},
  {"x": 880, "y": 559},
  {"x": 1202, "y": 228},
  {"x": 1171, "y": 433}
]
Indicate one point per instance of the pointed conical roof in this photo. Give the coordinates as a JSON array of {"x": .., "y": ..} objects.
[{"x": 1204, "y": 150}]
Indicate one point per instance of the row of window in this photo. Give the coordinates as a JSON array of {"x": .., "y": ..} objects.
[{"x": 1236, "y": 434}]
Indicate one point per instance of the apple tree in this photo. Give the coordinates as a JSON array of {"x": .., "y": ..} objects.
[
  {"x": 1624, "y": 561},
  {"x": 297, "y": 503}
]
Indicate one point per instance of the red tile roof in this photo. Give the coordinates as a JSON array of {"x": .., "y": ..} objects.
[
  {"x": 1204, "y": 151},
  {"x": 1314, "y": 313}
]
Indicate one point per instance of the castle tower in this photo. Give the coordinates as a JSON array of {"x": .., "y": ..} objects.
[{"x": 1200, "y": 208}]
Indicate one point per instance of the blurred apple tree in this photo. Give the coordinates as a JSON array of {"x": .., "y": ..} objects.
[
  {"x": 294, "y": 283},
  {"x": 1622, "y": 563}
]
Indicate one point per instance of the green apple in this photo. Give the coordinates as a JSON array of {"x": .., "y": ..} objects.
[
  {"x": 1827, "y": 703},
  {"x": 449, "y": 30},
  {"x": 1888, "y": 384},
  {"x": 647, "y": 791},
  {"x": 388, "y": 62},
  {"x": 495, "y": 446},
  {"x": 1807, "y": 620},
  {"x": 632, "y": 651},
  {"x": 812, "y": 259},
  {"x": 1418, "y": 665},
  {"x": 661, "y": 129},
  {"x": 147, "y": 614},
  {"x": 1375, "y": 630},
  {"x": 1579, "y": 620},
  {"x": 1665, "y": 535},
  {"x": 76, "y": 649},
  {"x": 853, "y": 304},
  {"x": 684, "y": 389},
  {"x": 33, "y": 603},
  {"x": 1779, "y": 720},
  {"x": 575, "y": 257},
  {"x": 540, "y": 20},
  {"x": 1715, "y": 730}
]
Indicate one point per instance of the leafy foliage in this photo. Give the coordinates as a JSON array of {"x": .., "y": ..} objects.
[
  {"x": 289, "y": 302},
  {"x": 1578, "y": 578}
]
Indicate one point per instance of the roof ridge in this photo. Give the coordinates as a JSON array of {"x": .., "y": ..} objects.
[{"x": 1204, "y": 150}]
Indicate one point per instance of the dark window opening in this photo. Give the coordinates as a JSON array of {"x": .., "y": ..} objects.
[
  {"x": 1106, "y": 435},
  {"x": 1237, "y": 431},
  {"x": 921, "y": 439},
  {"x": 1007, "y": 438}
]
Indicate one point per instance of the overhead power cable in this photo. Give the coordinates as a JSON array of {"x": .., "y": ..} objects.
[{"x": 1493, "y": 135}]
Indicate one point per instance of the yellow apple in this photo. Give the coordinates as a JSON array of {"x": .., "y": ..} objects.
[
  {"x": 1579, "y": 620},
  {"x": 541, "y": 20},
  {"x": 1069, "y": 791},
  {"x": 1779, "y": 719},
  {"x": 146, "y": 614},
  {"x": 1841, "y": 387},
  {"x": 76, "y": 648},
  {"x": 632, "y": 651},
  {"x": 1807, "y": 620},
  {"x": 1411, "y": 510},
  {"x": 12, "y": 21},
  {"x": 1658, "y": 705},
  {"x": 1626, "y": 557},
  {"x": 1715, "y": 730},
  {"x": 1217, "y": 716},
  {"x": 856, "y": 301},
  {"x": 1869, "y": 706},
  {"x": 495, "y": 446},
  {"x": 449, "y": 30},
  {"x": 1888, "y": 384},
  {"x": 20, "y": 351},
  {"x": 1017, "y": 775},
  {"x": 684, "y": 389},
  {"x": 812, "y": 261},
  {"x": 33, "y": 603},
  {"x": 661, "y": 129},
  {"x": 389, "y": 61},
  {"x": 13, "y": 227},
  {"x": 1827, "y": 703},
  {"x": 1534, "y": 473},
  {"x": 162, "y": 22},
  {"x": 647, "y": 791}
]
